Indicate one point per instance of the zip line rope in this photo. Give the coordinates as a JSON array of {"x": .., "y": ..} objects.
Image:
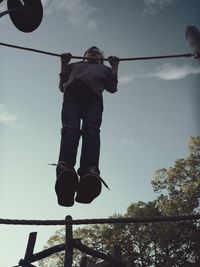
[
  {"x": 136, "y": 220},
  {"x": 105, "y": 59}
]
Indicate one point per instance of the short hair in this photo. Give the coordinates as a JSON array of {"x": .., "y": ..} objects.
[{"x": 101, "y": 52}]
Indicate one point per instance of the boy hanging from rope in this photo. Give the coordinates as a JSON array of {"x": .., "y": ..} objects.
[{"x": 82, "y": 84}]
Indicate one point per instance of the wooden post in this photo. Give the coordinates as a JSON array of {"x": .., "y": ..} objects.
[
  {"x": 68, "y": 243},
  {"x": 83, "y": 261},
  {"x": 117, "y": 253},
  {"x": 30, "y": 246},
  {"x": 29, "y": 251}
]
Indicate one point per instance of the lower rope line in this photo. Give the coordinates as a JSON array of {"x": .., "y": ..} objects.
[
  {"x": 105, "y": 59},
  {"x": 136, "y": 220}
]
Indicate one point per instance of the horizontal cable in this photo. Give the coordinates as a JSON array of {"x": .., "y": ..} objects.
[
  {"x": 136, "y": 220},
  {"x": 106, "y": 59}
]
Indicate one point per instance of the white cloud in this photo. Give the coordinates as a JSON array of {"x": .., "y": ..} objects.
[
  {"x": 165, "y": 72},
  {"x": 7, "y": 116},
  {"x": 126, "y": 141},
  {"x": 126, "y": 79},
  {"x": 172, "y": 72},
  {"x": 92, "y": 24},
  {"x": 78, "y": 12},
  {"x": 153, "y": 6}
]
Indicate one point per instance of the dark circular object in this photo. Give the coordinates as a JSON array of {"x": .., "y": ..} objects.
[{"x": 26, "y": 15}]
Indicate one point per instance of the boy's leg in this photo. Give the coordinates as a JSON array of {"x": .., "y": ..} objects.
[
  {"x": 70, "y": 133},
  {"x": 90, "y": 182},
  {"x": 67, "y": 179},
  {"x": 92, "y": 118}
]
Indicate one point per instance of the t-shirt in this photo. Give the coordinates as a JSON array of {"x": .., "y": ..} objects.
[{"x": 97, "y": 76}]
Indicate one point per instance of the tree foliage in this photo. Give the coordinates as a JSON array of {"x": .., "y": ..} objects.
[
  {"x": 179, "y": 188},
  {"x": 166, "y": 244}
]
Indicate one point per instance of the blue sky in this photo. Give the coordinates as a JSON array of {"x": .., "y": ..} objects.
[{"x": 146, "y": 124}]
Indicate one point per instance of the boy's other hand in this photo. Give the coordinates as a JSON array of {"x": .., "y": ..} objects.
[
  {"x": 66, "y": 57},
  {"x": 114, "y": 61}
]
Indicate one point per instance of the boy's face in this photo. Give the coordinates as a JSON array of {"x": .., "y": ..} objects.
[{"x": 94, "y": 55}]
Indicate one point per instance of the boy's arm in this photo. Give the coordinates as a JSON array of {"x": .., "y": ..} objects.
[
  {"x": 65, "y": 70},
  {"x": 112, "y": 85}
]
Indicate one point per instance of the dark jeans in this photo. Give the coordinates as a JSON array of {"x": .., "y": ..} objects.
[{"x": 81, "y": 104}]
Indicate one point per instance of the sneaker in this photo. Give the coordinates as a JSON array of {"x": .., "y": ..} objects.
[
  {"x": 89, "y": 186},
  {"x": 66, "y": 185}
]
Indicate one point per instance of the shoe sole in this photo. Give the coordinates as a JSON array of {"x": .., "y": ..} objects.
[
  {"x": 65, "y": 187},
  {"x": 89, "y": 188}
]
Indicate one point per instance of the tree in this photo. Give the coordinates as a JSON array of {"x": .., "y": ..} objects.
[
  {"x": 164, "y": 244},
  {"x": 58, "y": 258},
  {"x": 179, "y": 187}
]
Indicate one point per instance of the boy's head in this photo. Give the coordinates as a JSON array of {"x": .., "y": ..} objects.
[{"x": 94, "y": 54}]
